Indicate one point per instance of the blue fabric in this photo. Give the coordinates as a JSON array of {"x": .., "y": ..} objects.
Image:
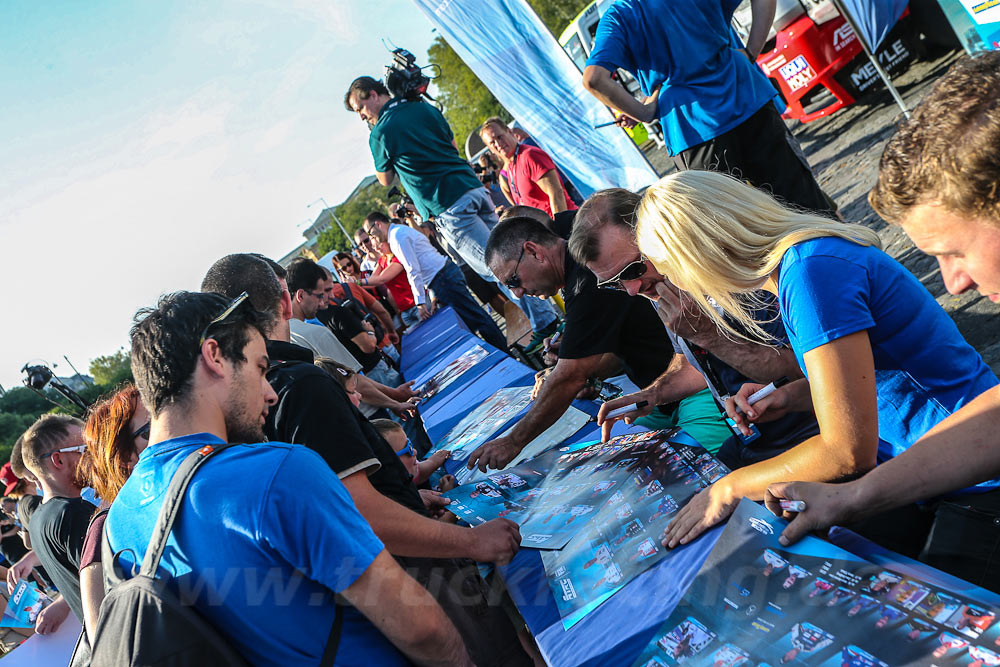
[
  {"x": 924, "y": 369},
  {"x": 707, "y": 85},
  {"x": 244, "y": 534},
  {"x": 517, "y": 58},
  {"x": 874, "y": 18}
]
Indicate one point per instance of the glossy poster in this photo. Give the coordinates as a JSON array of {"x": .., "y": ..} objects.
[
  {"x": 641, "y": 480},
  {"x": 451, "y": 372},
  {"x": 755, "y": 603}
]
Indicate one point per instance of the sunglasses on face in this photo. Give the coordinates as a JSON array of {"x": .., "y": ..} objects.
[
  {"x": 407, "y": 451},
  {"x": 229, "y": 310},
  {"x": 632, "y": 271},
  {"x": 142, "y": 432},
  {"x": 515, "y": 280}
]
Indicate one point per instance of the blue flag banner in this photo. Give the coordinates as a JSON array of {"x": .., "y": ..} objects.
[
  {"x": 518, "y": 59},
  {"x": 874, "y": 18}
]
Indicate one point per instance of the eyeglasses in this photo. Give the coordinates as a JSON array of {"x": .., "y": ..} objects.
[
  {"x": 233, "y": 305},
  {"x": 64, "y": 450},
  {"x": 408, "y": 450},
  {"x": 142, "y": 432},
  {"x": 515, "y": 280},
  {"x": 632, "y": 271}
]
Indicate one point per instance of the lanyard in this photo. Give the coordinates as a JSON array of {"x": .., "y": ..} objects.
[{"x": 513, "y": 175}]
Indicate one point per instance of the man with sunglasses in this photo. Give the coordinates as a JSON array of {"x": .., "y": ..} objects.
[
  {"x": 603, "y": 239},
  {"x": 313, "y": 410},
  {"x": 605, "y": 329},
  {"x": 52, "y": 448}
]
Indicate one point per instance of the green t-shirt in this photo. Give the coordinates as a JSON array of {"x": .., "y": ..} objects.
[{"x": 414, "y": 139}]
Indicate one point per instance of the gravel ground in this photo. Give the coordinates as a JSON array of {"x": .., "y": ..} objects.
[{"x": 844, "y": 150}]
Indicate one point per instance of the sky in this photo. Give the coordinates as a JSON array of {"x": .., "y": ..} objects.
[{"x": 141, "y": 141}]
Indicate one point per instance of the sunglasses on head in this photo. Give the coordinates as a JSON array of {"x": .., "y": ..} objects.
[
  {"x": 632, "y": 271},
  {"x": 229, "y": 310}
]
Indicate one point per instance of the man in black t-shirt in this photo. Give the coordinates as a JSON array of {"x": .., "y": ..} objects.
[
  {"x": 51, "y": 449},
  {"x": 605, "y": 330},
  {"x": 313, "y": 410}
]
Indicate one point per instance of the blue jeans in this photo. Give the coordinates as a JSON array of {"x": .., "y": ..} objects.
[
  {"x": 383, "y": 374},
  {"x": 410, "y": 317},
  {"x": 466, "y": 227},
  {"x": 450, "y": 289}
]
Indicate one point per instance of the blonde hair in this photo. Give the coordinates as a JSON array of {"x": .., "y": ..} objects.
[{"x": 719, "y": 239}]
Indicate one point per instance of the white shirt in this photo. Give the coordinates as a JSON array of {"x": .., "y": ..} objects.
[
  {"x": 322, "y": 342},
  {"x": 421, "y": 261}
]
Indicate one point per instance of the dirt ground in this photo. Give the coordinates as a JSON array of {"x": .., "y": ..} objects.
[{"x": 844, "y": 151}]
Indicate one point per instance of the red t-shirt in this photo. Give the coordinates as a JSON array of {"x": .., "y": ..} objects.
[
  {"x": 528, "y": 165},
  {"x": 399, "y": 286}
]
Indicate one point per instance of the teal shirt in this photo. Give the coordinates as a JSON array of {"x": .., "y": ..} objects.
[{"x": 414, "y": 139}]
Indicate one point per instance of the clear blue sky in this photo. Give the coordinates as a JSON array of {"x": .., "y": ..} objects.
[{"x": 144, "y": 140}]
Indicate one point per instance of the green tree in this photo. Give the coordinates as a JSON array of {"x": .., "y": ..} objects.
[
  {"x": 351, "y": 213},
  {"x": 112, "y": 369},
  {"x": 556, "y": 14},
  {"x": 465, "y": 101}
]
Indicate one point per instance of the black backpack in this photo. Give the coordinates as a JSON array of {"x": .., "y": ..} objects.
[{"x": 144, "y": 622}]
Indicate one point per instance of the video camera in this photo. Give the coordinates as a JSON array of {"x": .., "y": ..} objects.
[
  {"x": 404, "y": 78},
  {"x": 394, "y": 191}
]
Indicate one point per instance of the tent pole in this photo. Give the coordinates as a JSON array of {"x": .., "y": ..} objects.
[{"x": 871, "y": 56}]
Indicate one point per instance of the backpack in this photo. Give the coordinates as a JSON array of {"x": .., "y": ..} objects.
[{"x": 143, "y": 622}]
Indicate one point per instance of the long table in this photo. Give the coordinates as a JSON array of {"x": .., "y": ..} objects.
[{"x": 614, "y": 633}]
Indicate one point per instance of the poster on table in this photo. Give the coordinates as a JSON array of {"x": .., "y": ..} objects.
[
  {"x": 489, "y": 417},
  {"x": 561, "y": 494},
  {"x": 440, "y": 380},
  {"x": 24, "y": 605},
  {"x": 641, "y": 480},
  {"x": 976, "y": 23},
  {"x": 569, "y": 423},
  {"x": 755, "y": 603}
]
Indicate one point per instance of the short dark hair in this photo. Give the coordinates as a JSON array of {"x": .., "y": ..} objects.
[
  {"x": 250, "y": 273},
  {"x": 377, "y": 216},
  {"x": 510, "y": 235},
  {"x": 165, "y": 346},
  {"x": 364, "y": 86},
  {"x": 278, "y": 269},
  {"x": 304, "y": 274},
  {"x": 614, "y": 206},
  {"x": 948, "y": 152}
]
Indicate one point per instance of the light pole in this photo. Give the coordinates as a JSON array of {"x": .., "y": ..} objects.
[{"x": 329, "y": 211}]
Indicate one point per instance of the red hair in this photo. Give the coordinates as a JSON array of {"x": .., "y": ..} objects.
[{"x": 110, "y": 447}]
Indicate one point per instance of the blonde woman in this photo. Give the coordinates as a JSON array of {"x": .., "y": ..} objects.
[{"x": 884, "y": 363}]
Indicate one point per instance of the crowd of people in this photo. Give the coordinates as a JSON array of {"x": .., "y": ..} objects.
[{"x": 316, "y": 530}]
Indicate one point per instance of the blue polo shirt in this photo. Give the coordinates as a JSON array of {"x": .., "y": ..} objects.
[
  {"x": 924, "y": 369},
  {"x": 688, "y": 47},
  {"x": 414, "y": 139},
  {"x": 265, "y": 533}
]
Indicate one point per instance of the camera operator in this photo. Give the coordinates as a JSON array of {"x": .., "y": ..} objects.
[{"x": 412, "y": 139}]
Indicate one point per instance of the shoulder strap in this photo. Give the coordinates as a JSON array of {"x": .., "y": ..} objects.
[
  {"x": 333, "y": 642},
  {"x": 172, "y": 504}
]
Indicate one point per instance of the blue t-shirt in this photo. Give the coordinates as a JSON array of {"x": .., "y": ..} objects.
[
  {"x": 708, "y": 85},
  {"x": 924, "y": 369},
  {"x": 264, "y": 535}
]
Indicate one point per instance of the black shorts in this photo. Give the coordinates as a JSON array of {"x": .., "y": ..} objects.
[{"x": 759, "y": 151}]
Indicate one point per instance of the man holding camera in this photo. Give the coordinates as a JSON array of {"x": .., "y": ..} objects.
[{"x": 411, "y": 139}]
